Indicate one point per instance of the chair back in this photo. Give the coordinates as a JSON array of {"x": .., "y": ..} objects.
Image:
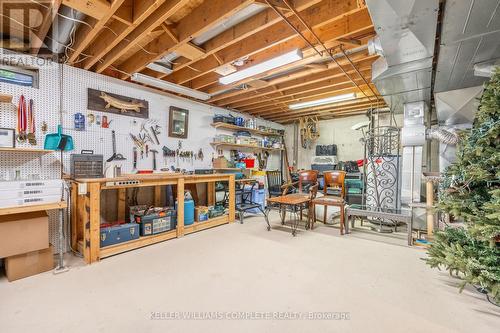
[
  {"x": 335, "y": 179},
  {"x": 307, "y": 178},
  {"x": 274, "y": 182}
]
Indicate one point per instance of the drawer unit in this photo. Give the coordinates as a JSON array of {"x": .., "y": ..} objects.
[{"x": 86, "y": 165}]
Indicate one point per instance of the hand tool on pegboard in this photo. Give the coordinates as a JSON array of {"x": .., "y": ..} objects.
[
  {"x": 154, "y": 152},
  {"x": 115, "y": 156}
]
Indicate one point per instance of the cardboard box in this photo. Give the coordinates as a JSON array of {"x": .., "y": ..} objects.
[
  {"x": 200, "y": 213},
  {"x": 28, "y": 264},
  {"x": 220, "y": 163},
  {"x": 22, "y": 233}
]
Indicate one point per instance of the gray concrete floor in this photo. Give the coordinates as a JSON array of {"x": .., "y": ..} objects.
[{"x": 381, "y": 284}]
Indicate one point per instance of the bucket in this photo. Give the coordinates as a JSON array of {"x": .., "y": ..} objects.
[
  {"x": 188, "y": 211},
  {"x": 250, "y": 163}
]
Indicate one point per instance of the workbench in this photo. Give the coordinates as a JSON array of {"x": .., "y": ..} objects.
[{"x": 86, "y": 209}]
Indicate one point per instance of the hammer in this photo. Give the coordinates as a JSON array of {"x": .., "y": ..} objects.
[{"x": 154, "y": 152}]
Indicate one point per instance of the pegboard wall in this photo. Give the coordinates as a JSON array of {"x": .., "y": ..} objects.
[{"x": 74, "y": 91}]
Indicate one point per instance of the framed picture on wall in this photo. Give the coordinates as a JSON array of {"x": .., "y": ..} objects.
[
  {"x": 178, "y": 123},
  {"x": 7, "y": 137}
]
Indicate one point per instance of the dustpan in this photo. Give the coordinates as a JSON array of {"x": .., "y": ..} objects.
[{"x": 58, "y": 141}]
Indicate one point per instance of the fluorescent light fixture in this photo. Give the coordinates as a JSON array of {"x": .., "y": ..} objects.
[
  {"x": 323, "y": 101},
  {"x": 281, "y": 60},
  {"x": 162, "y": 84}
]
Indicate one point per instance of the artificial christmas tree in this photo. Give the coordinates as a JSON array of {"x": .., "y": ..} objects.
[{"x": 470, "y": 189}]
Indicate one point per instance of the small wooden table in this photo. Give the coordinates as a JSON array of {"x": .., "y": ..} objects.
[{"x": 294, "y": 201}]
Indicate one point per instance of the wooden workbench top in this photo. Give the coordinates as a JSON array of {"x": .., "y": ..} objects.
[{"x": 152, "y": 177}]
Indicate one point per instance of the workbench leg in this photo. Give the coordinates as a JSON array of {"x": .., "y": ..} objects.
[
  {"x": 95, "y": 220},
  {"x": 180, "y": 207},
  {"x": 157, "y": 197},
  {"x": 211, "y": 193},
  {"x": 74, "y": 216},
  {"x": 122, "y": 199},
  {"x": 232, "y": 199},
  {"x": 83, "y": 218}
]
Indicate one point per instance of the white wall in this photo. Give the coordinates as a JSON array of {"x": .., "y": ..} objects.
[{"x": 335, "y": 131}]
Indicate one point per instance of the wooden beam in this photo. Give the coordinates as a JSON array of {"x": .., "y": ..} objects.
[
  {"x": 337, "y": 111},
  {"x": 158, "y": 17},
  {"x": 94, "y": 8},
  {"x": 125, "y": 13},
  {"x": 340, "y": 89},
  {"x": 243, "y": 30},
  {"x": 190, "y": 51},
  {"x": 310, "y": 55},
  {"x": 315, "y": 90},
  {"x": 201, "y": 19},
  {"x": 43, "y": 29},
  {"x": 117, "y": 31},
  {"x": 304, "y": 78},
  {"x": 317, "y": 16},
  {"x": 276, "y": 3},
  {"x": 360, "y": 102},
  {"x": 85, "y": 35}
]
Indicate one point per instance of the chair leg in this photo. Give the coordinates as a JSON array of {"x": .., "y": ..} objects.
[
  {"x": 342, "y": 221},
  {"x": 312, "y": 213},
  {"x": 241, "y": 217},
  {"x": 325, "y": 209},
  {"x": 301, "y": 213}
]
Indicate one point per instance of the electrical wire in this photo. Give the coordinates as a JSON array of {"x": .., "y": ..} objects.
[{"x": 64, "y": 16}]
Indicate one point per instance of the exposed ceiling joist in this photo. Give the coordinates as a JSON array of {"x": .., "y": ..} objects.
[
  {"x": 43, "y": 29},
  {"x": 202, "y": 18},
  {"x": 318, "y": 16},
  {"x": 85, "y": 35},
  {"x": 245, "y": 29},
  {"x": 303, "y": 78},
  {"x": 117, "y": 31},
  {"x": 94, "y": 8},
  {"x": 158, "y": 17}
]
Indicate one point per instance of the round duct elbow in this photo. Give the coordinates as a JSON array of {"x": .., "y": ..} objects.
[{"x": 445, "y": 136}]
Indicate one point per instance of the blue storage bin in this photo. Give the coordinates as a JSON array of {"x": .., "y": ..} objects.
[
  {"x": 259, "y": 197},
  {"x": 188, "y": 211}
]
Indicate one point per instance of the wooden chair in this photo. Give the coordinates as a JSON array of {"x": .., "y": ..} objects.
[
  {"x": 307, "y": 183},
  {"x": 307, "y": 178},
  {"x": 334, "y": 195}
]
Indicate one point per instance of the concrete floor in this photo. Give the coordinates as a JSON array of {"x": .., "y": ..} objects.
[{"x": 383, "y": 285}]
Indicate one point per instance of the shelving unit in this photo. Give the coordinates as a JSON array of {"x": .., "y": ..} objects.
[
  {"x": 241, "y": 128},
  {"x": 32, "y": 208},
  {"x": 235, "y": 145},
  {"x": 26, "y": 150}
]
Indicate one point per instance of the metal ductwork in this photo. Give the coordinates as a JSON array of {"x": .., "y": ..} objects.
[
  {"x": 406, "y": 32},
  {"x": 457, "y": 106},
  {"x": 469, "y": 40},
  {"x": 60, "y": 32},
  {"x": 455, "y": 111}
]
